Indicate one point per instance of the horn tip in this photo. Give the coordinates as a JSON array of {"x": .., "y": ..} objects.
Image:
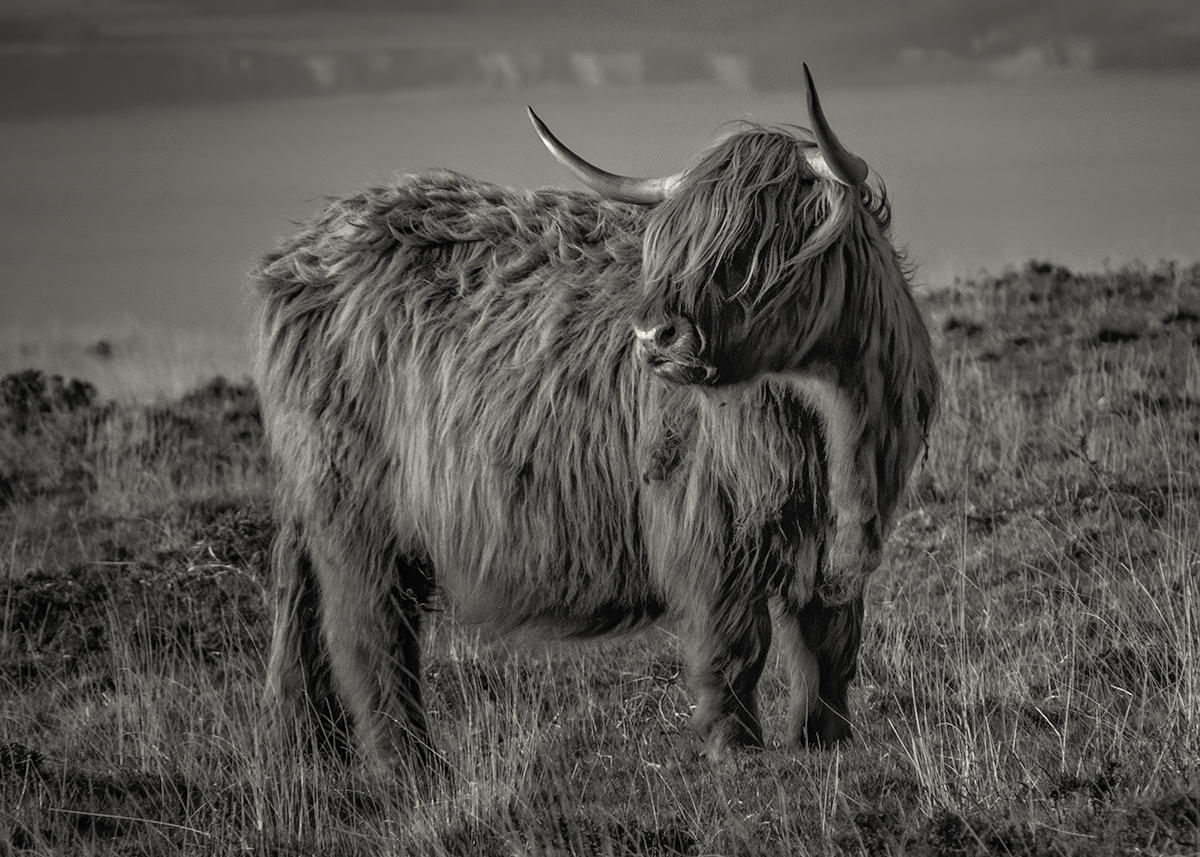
[
  {"x": 539, "y": 126},
  {"x": 810, "y": 88}
]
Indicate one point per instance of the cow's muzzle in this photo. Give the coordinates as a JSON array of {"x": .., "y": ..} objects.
[{"x": 673, "y": 351}]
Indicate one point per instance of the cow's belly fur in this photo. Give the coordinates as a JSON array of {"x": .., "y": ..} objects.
[{"x": 599, "y": 520}]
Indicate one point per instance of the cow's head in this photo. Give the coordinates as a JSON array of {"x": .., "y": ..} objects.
[{"x": 740, "y": 269}]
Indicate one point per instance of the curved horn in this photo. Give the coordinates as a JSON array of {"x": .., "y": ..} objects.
[
  {"x": 646, "y": 191},
  {"x": 840, "y": 163}
]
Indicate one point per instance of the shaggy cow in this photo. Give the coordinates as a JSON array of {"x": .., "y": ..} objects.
[{"x": 697, "y": 396}]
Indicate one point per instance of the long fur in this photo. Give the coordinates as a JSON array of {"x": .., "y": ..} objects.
[{"x": 452, "y": 392}]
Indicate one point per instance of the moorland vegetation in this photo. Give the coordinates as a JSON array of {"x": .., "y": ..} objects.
[{"x": 1028, "y": 681}]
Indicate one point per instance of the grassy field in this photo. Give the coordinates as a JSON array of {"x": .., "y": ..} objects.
[{"x": 1029, "y": 667}]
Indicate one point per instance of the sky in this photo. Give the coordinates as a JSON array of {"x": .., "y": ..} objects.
[{"x": 151, "y": 157}]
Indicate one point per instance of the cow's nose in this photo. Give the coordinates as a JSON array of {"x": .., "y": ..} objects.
[
  {"x": 645, "y": 335},
  {"x": 672, "y": 350},
  {"x": 660, "y": 336}
]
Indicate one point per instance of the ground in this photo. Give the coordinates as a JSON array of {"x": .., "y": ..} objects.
[{"x": 1028, "y": 681}]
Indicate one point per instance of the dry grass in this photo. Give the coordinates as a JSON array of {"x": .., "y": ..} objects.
[
  {"x": 129, "y": 362},
  {"x": 1028, "y": 681}
]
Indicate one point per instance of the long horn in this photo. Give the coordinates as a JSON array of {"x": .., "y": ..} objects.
[
  {"x": 842, "y": 164},
  {"x": 646, "y": 191}
]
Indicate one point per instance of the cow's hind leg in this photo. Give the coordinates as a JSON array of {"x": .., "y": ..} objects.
[
  {"x": 727, "y": 652},
  {"x": 298, "y": 696},
  {"x": 371, "y": 605},
  {"x": 820, "y": 646}
]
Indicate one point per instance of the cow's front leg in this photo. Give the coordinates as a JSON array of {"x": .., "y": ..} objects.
[
  {"x": 820, "y": 649},
  {"x": 728, "y": 642},
  {"x": 719, "y": 593}
]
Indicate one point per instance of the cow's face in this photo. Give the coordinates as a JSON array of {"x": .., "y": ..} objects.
[
  {"x": 735, "y": 261},
  {"x": 735, "y": 249},
  {"x": 703, "y": 338},
  {"x": 719, "y": 336}
]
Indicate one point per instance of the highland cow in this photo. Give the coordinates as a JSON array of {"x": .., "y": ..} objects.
[{"x": 697, "y": 397}]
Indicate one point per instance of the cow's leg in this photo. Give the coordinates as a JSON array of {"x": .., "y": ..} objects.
[
  {"x": 800, "y": 667},
  {"x": 727, "y": 652},
  {"x": 820, "y": 646},
  {"x": 298, "y": 696},
  {"x": 725, "y": 617},
  {"x": 371, "y": 619}
]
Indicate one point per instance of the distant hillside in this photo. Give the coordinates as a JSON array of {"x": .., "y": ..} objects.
[
  {"x": 1022, "y": 33},
  {"x": 97, "y": 54}
]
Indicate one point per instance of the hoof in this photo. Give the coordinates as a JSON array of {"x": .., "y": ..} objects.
[
  {"x": 723, "y": 744},
  {"x": 824, "y": 730}
]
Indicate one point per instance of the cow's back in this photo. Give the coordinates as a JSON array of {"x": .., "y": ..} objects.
[{"x": 451, "y": 361}]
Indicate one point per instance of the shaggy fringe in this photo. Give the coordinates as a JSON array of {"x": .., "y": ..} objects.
[{"x": 752, "y": 204}]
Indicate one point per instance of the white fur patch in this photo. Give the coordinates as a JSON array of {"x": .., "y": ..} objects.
[{"x": 853, "y": 483}]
